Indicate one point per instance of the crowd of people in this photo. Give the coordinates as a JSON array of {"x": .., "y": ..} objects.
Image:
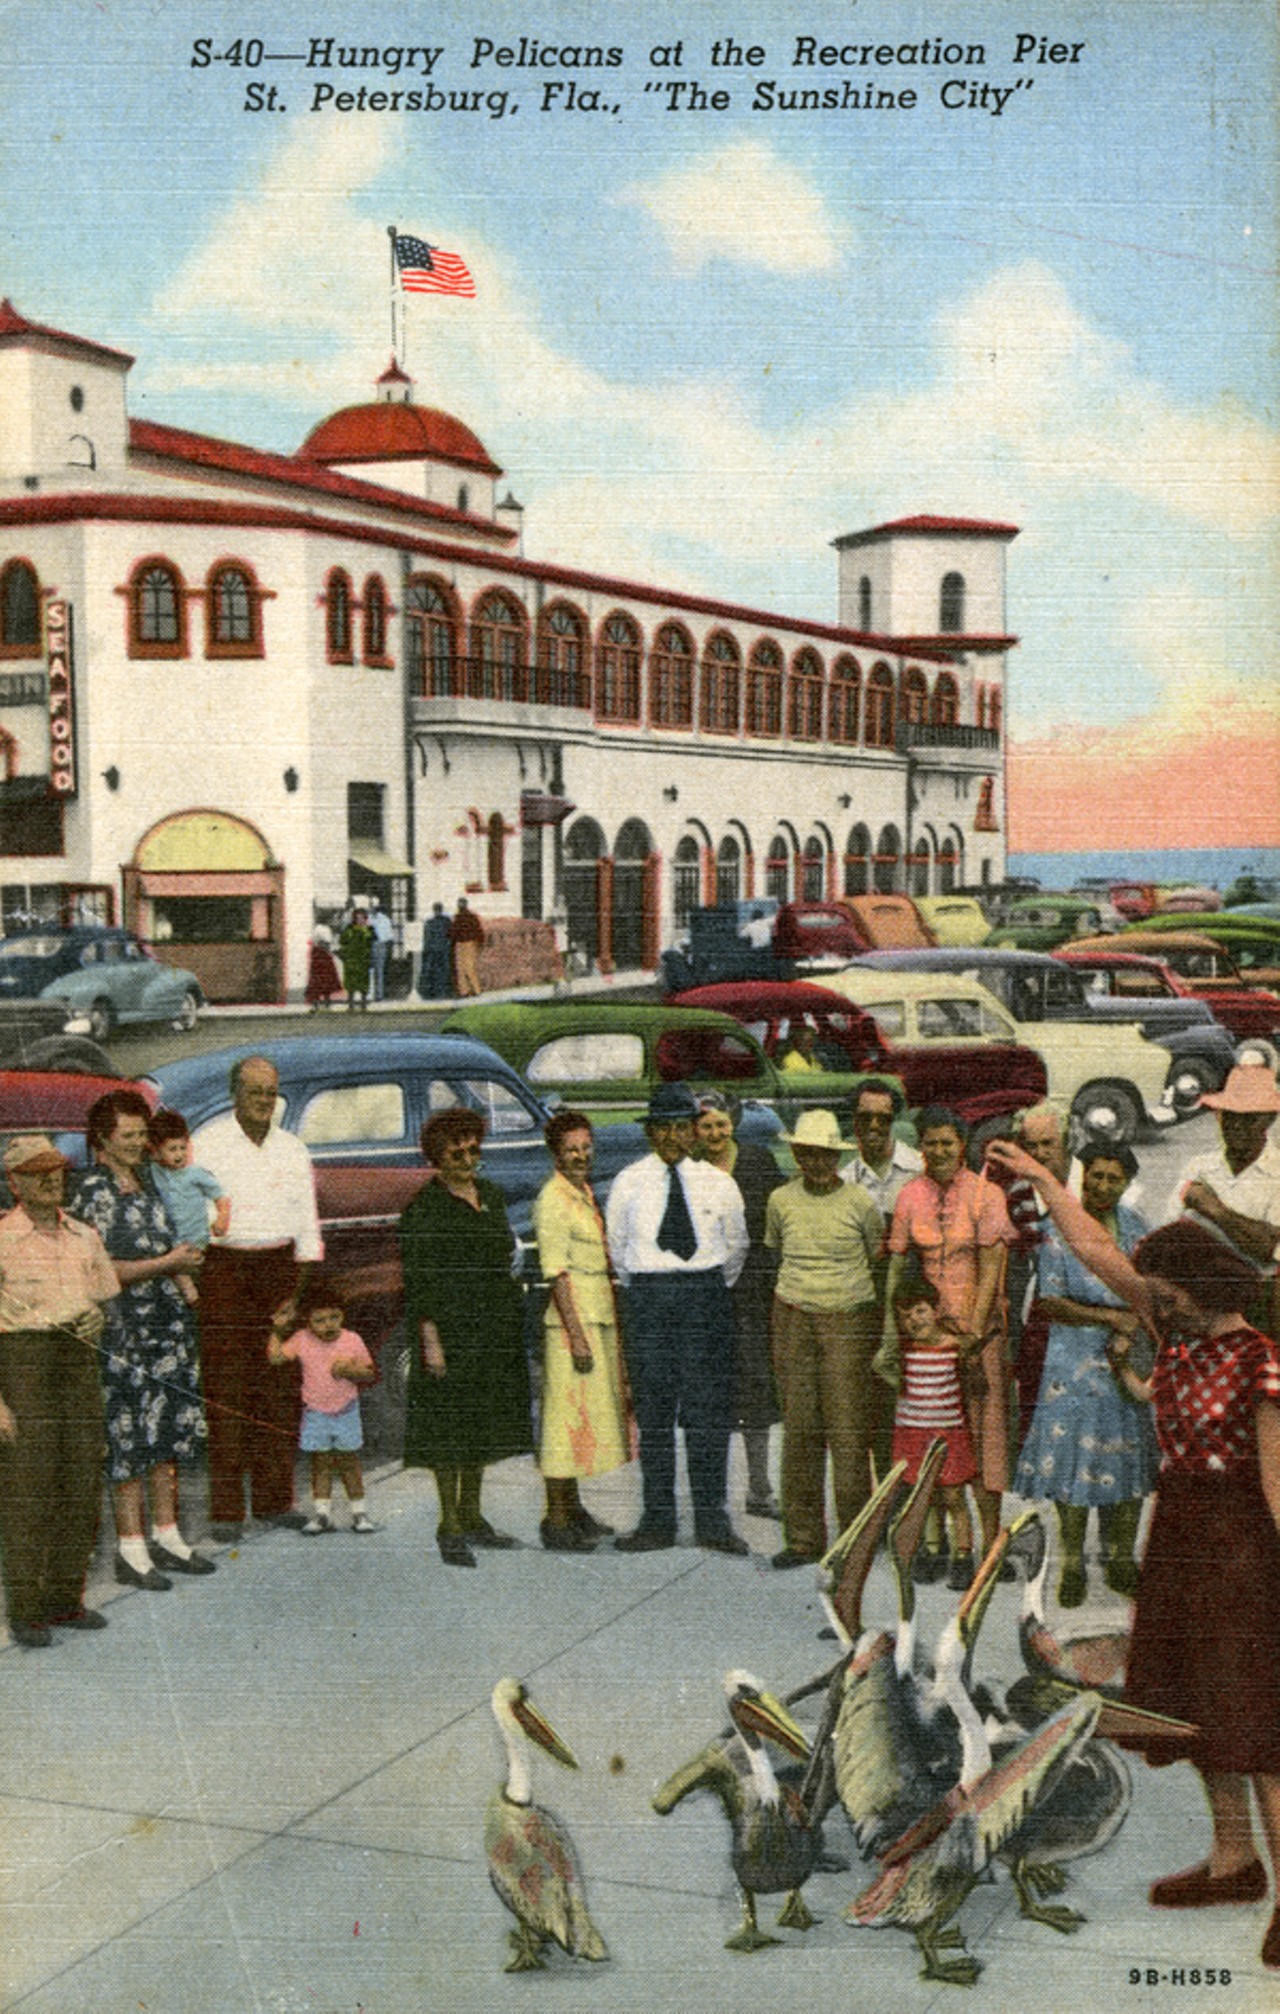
[{"x": 1023, "y": 1309}]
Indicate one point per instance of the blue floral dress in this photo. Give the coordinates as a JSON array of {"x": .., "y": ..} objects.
[
  {"x": 150, "y": 1353},
  {"x": 1089, "y": 1442}
]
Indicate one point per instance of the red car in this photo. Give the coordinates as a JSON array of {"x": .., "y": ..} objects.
[
  {"x": 1197, "y": 967},
  {"x": 55, "y": 1102},
  {"x": 988, "y": 1081},
  {"x": 838, "y": 930}
]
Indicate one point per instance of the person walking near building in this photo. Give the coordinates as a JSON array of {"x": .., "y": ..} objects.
[
  {"x": 466, "y": 935},
  {"x": 827, "y": 1234},
  {"x": 678, "y": 1238},
  {"x": 384, "y": 936},
  {"x": 435, "y": 972},
  {"x": 355, "y": 948},
  {"x": 252, "y": 1280},
  {"x": 55, "y": 1279}
]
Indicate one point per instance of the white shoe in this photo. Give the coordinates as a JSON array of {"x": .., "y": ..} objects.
[
  {"x": 362, "y": 1523},
  {"x": 315, "y": 1525}
]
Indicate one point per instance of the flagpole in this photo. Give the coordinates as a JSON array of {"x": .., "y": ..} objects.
[{"x": 396, "y": 356}]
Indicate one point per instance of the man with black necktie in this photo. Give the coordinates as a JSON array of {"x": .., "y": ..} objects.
[{"x": 678, "y": 1241}]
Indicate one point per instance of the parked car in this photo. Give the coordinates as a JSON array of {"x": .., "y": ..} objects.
[
  {"x": 606, "y": 1057},
  {"x": 104, "y": 977},
  {"x": 1134, "y": 899},
  {"x": 56, "y": 1102},
  {"x": 1041, "y": 922},
  {"x": 1109, "y": 1078},
  {"x": 360, "y": 1102},
  {"x": 982, "y": 1081},
  {"x": 1207, "y": 971},
  {"x": 1188, "y": 899},
  {"x": 45, "y": 1035},
  {"x": 821, "y": 932},
  {"x": 731, "y": 941},
  {"x": 1253, "y": 941},
  {"x": 1120, "y": 984},
  {"x": 954, "y": 919}
]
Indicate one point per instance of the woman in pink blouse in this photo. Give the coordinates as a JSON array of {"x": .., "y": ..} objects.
[
  {"x": 1206, "y": 1629},
  {"x": 956, "y": 1225}
]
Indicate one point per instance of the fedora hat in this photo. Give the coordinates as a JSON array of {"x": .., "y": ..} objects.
[
  {"x": 671, "y": 1101},
  {"x": 820, "y": 1129},
  {"x": 1251, "y": 1087}
]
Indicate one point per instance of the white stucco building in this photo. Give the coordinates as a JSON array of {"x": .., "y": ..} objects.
[{"x": 237, "y": 687}]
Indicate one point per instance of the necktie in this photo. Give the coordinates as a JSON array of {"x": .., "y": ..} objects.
[{"x": 675, "y": 1232}]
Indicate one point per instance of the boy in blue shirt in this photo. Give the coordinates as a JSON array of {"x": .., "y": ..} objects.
[{"x": 187, "y": 1192}]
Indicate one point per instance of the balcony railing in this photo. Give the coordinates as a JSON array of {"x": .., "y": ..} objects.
[
  {"x": 502, "y": 679},
  {"x": 913, "y": 734}
]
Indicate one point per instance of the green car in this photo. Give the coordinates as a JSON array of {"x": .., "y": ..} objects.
[
  {"x": 607, "y": 1057},
  {"x": 1253, "y": 942},
  {"x": 1042, "y": 922}
]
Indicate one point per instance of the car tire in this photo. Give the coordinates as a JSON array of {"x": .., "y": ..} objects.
[
  {"x": 1256, "y": 1049},
  {"x": 75, "y": 1054},
  {"x": 188, "y": 1014},
  {"x": 102, "y": 1020},
  {"x": 1187, "y": 1081},
  {"x": 1107, "y": 1112}
]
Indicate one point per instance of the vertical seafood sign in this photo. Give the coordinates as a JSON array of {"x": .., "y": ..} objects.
[{"x": 62, "y": 705}]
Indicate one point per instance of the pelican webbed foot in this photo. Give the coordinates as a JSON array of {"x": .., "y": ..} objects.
[
  {"x": 1034, "y": 1879},
  {"x": 526, "y": 1947},
  {"x": 960, "y": 1971},
  {"x": 795, "y": 1913},
  {"x": 749, "y": 1936}
]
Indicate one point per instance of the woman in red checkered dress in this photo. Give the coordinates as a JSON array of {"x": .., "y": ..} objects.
[{"x": 1206, "y": 1626}]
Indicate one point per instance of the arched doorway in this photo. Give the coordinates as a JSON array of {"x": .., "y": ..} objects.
[
  {"x": 887, "y": 861},
  {"x": 583, "y": 860},
  {"x": 728, "y": 870},
  {"x": 950, "y": 865},
  {"x": 634, "y": 898},
  {"x": 777, "y": 869},
  {"x": 813, "y": 870},
  {"x": 918, "y": 862},
  {"x": 857, "y": 862},
  {"x": 686, "y": 880},
  {"x": 205, "y": 891}
]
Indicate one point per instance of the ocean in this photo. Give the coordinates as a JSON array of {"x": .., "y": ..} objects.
[{"x": 1216, "y": 866}]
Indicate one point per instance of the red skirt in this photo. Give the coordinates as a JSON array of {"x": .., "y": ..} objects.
[
  {"x": 910, "y": 1445},
  {"x": 1206, "y": 1627}
]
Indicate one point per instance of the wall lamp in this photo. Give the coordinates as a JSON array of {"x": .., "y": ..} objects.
[
  {"x": 671, "y": 793},
  {"x": 111, "y": 777},
  {"x": 291, "y": 779},
  {"x": 844, "y": 800}
]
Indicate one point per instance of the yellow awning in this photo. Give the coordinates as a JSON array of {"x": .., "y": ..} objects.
[{"x": 375, "y": 860}]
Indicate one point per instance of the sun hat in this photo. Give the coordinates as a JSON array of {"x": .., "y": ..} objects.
[
  {"x": 1251, "y": 1087},
  {"x": 820, "y": 1129},
  {"x": 33, "y": 1154}
]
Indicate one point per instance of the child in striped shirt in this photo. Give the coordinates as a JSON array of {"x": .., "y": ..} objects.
[{"x": 931, "y": 1402}]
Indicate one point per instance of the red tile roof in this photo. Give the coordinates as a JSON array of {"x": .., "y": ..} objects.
[
  {"x": 388, "y": 430},
  {"x": 954, "y": 527},
  {"x": 15, "y": 327}
]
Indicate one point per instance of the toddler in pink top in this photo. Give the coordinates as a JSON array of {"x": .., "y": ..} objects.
[{"x": 334, "y": 1362}]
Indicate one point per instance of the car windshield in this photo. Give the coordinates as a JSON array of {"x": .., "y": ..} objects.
[{"x": 30, "y": 947}]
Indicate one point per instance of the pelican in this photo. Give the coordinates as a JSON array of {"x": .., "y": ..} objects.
[
  {"x": 775, "y": 1843},
  {"x": 1057, "y": 1667},
  {"x": 531, "y": 1858}
]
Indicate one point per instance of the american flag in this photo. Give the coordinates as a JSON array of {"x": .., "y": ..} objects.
[{"x": 425, "y": 269}]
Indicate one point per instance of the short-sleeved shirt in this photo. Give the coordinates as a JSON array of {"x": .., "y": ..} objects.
[
  {"x": 1254, "y": 1192},
  {"x": 828, "y": 1242},
  {"x": 1206, "y": 1392},
  {"x": 885, "y": 1187},
  {"x": 47, "y": 1278},
  {"x": 947, "y": 1228},
  {"x": 321, "y": 1391},
  {"x": 186, "y": 1194}
]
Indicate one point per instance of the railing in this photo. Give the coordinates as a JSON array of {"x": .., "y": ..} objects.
[
  {"x": 925, "y": 734},
  {"x": 511, "y": 680}
]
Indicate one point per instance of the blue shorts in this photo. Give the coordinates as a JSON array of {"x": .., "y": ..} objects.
[{"x": 331, "y": 1433}]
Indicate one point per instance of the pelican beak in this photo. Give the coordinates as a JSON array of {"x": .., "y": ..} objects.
[
  {"x": 1118, "y": 1722},
  {"x": 908, "y": 1527},
  {"x": 760, "y": 1713},
  {"x": 541, "y": 1731},
  {"x": 1026, "y": 1542},
  {"x": 848, "y": 1562},
  {"x": 977, "y": 1598}
]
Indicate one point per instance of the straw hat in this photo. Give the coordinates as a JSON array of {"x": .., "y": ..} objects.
[
  {"x": 32, "y": 1154},
  {"x": 1251, "y": 1087},
  {"x": 820, "y": 1129}
]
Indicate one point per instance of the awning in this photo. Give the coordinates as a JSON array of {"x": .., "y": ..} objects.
[
  {"x": 374, "y": 859},
  {"x": 538, "y": 807},
  {"x": 207, "y": 881}
]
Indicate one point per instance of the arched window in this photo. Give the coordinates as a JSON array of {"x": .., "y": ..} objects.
[
  {"x": 497, "y": 666},
  {"x": 984, "y": 818},
  {"x": 994, "y": 704},
  {"x": 915, "y": 697},
  {"x": 464, "y": 497},
  {"x": 864, "y": 603},
  {"x": 721, "y": 711},
  {"x": 845, "y": 691},
  {"x": 618, "y": 670},
  {"x": 562, "y": 636},
  {"x": 686, "y": 879},
  {"x": 728, "y": 870},
  {"x": 373, "y": 637},
  {"x": 337, "y": 617},
  {"x": 777, "y": 869},
  {"x": 813, "y": 870},
  {"x": 948, "y": 867},
  {"x": 157, "y": 611},
  {"x": 671, "y": 678},
  {"x": 918, "y": 866},
  {"x": 887, "y": 860},
  {"x": 857, "y": 862},
  {"x": 804, "y": 713},
  {"x": 498, "y": 831},
  {"x": 19, "y": 610},
  {"x": 430, "y": 638},
  {"x": 879, "y": 721},
  {"x": 951, "y": 604},
  {"x": 764, "y": 689},
  {"x": 945, "y": 708},
  {"x": 233, "y": 613}
]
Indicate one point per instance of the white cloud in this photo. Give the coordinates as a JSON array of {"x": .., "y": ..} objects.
[{"x": 743, "y": 203}]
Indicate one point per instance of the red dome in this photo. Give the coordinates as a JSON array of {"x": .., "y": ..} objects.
[{"x": 392, "y": 431}]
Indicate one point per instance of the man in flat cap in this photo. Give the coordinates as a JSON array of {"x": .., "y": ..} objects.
[
  {"x": 54, "y": 1277},
  {"x": 678, "y": 1241}
]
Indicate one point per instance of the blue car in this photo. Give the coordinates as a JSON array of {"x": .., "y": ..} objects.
[{"x": 100, "y": 977}]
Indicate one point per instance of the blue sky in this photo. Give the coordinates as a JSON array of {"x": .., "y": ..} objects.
[{"x": 707, "y": 342}]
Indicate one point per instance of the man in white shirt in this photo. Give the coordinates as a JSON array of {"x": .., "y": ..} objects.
[
  {"x": 383, "y": 938},
  {"x": 1234, "y": 1188},
  {"x": 883, "y": 1164},
  {"x": 678, "y": 1241},
  {"x": 250, "y": 1283}
]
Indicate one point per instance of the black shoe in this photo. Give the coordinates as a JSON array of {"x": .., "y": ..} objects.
[
  {"x": 128, "y": 1576},
  {"x": 928, "y": 1565},
  {"x": 565, "y": 1537},
  {"x": 454, "y": 1550},
  {"x": 1121, "y": 1576},
  {"x": 960, "y": 1571},
  {"x": 592, "y": 1525},
  {"x": 226, "y": 1534},
  {"x": 486, "y": 1535},
  {"x": 722, "y": 1541},
  {"x": 76, "y": 1618},
  {"x": 645, "y": 1538},
  {"x": 31, "y": 1635},
  {"x": 171, "y": 1562},
  {"x": 289, "y": 1520},
  {"x": 1073, "y": 1585},
  {"x": 787, "y": 1558}
]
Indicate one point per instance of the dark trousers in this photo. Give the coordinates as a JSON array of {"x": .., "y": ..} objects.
[
  {"x": 680, "y": 1359},
  {"x": 253, "y": 1408},
  {"x": 51, "y": 1475}
]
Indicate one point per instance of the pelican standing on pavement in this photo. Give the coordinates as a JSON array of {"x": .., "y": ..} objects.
[{"x": 532, "y": 1863}]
